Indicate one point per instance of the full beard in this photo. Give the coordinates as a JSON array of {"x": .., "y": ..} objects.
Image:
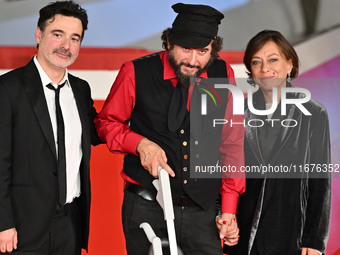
[{"x": 186, "y": 79}]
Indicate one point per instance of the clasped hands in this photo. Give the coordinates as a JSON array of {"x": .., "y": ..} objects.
[{"x": 227, "y": 225}]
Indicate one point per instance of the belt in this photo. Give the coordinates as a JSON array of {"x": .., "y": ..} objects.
[
  {"x": 141, "y": 191},
  {"x": 150, "y": 196}
]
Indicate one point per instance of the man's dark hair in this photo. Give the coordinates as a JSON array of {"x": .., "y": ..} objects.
[
  {"x": 216, "y": 44},
  {"x": 65, "y": 8}
]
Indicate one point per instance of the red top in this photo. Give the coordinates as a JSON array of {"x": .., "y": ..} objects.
[{"x": 112, "y": 128}]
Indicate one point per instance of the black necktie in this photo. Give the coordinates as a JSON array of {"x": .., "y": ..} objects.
[
  {"x": 61, "y": 145},
  {"x": 196, "y": 118},
  {"x": 177, "y": 107}
]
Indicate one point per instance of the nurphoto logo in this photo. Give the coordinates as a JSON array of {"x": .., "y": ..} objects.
[{"x": 238, "y": 100}]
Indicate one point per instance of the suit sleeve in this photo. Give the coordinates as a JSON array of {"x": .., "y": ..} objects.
[
  {"x": 232, "y": 154},
  {"x": 95, "y": 140},
  {"x": 316, "y": 230},
  {"x": 6, "y": 215}
]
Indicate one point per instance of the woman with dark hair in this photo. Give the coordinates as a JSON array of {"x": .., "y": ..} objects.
[{"x": 282, "y": 212}]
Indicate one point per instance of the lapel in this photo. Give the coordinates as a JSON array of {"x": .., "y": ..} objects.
[
  {"x": 292, "y": 113},
  {"x": 35, "y": 93},
  {"x": 252, "y": 136},
  {"x": 285, "y": 132},
  {"x": 251, "y": 130},
  {"x": 78, "y": 92}
]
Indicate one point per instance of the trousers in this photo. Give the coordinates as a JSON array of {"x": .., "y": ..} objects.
[
  {"x": 196, "y": 230},
  {"x": 64, "y": 235}
]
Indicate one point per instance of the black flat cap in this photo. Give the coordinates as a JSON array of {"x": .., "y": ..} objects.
[{"x": 195, "y": 25}]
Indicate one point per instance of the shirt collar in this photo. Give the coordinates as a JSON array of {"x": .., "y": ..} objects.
[
  {"x": 169, "y": 73},
  {"x": 45, "y": 80}
]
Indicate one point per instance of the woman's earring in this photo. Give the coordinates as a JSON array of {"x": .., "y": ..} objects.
[{"x": 288, "y": 78}]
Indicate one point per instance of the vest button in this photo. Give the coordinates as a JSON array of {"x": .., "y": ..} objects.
[
  {"x": 197, "y": 155},
  {"x": 196, "y": 142},
  {"x": 185, "y": 181},
  {"x": 185, "y": 143},
  {"x": 185, "y": 169},
  {"x": 185, "y": 156},
  {"x": 182, "y": 131}
]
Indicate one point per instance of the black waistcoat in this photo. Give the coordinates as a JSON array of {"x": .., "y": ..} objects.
[{"x": 150, "y": 119}]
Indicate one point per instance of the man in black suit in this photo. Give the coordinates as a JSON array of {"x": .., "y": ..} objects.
[{"x": 46, "y": 132}]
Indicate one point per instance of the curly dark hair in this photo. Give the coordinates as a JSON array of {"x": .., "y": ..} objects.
[
  {"x": 216, "y": 44},
  {"x": 65, "y": 8}
]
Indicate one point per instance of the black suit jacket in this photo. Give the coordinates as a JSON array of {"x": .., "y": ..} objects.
[{"x": 28, "y": 162}]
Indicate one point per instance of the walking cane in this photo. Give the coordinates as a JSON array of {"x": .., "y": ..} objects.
[
  {"x": 164, "y": 198},
  {"x": 153, "y": 239}
]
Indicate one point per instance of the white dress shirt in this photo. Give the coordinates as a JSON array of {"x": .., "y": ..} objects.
[{"x": 73, "y": 129}]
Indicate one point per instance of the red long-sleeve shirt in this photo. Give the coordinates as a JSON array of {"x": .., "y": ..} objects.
[{"x": 112, "y": 127}]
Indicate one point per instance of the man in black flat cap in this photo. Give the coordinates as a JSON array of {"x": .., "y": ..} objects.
[{"x": 146, "y": 116}]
